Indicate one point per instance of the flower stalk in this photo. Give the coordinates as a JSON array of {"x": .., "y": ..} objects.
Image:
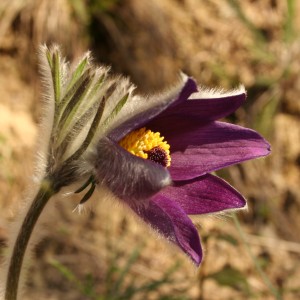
[{"x": 46, "y": 191}]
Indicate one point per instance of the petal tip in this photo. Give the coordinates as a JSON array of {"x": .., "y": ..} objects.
[
  {"x": 192, "y": 247},
  {"x": 197, "y": 259},
  {"x": 242, "y": 204},
  {"x": 266, "y": 148},
  {"x": 189, "y": 87}
]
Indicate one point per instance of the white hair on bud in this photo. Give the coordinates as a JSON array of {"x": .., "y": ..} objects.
[
  {"x": 140, "y": 103},
  {"x": 207, "y": 93},
  {"x": 221, "y": 215},
  {"x": 122, "y": 87},
  {"x": 80, "y": 208},
  {"x": 46, "y": 122}
]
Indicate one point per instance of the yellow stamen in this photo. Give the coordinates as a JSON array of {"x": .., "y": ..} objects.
[{"x": 140, "y": 142}]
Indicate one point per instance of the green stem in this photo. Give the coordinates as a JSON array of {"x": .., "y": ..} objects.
[
  {"x": 15, "y": 265},
  {"x": 260, "y": 271}
]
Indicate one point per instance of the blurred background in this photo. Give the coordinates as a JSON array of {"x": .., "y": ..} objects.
[{"x": 104, "y": 253}]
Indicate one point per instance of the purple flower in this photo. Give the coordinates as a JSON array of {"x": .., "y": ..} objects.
[{"x": 171, "y": 184}]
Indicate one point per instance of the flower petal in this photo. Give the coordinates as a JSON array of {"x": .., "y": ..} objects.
[
  {"x": 129, "y": 177},
  {"x": 206, "y": 109},
  {"x": 204, "y": 195},
  {"x": 168, "y": 219},
  {"x": 138, "y": 120},
  {"x": 197, "y": 148}
]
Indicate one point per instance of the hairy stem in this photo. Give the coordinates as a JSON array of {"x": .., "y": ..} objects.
[{"x": 15, "y": 265}]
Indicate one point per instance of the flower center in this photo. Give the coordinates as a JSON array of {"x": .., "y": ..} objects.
[{"x": 148, "y": 145}]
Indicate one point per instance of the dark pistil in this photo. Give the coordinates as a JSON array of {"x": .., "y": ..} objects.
[{"x": 158, "y": 155}]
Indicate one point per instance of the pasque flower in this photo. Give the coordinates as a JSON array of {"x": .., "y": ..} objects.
[
  {"x": 154, "y": 154},
  {"x": 157, "y": 159}
]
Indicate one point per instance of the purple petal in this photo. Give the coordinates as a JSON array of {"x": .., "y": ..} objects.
[
  {"x": 206, "y": 109},
  {"x": 129, "y": 177},
  {"x": 168, "y": 219},
  {"x": 204, "y": 195},
  {"x": 197, "y": 149},
  {"x": 143, "y": 117}
]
